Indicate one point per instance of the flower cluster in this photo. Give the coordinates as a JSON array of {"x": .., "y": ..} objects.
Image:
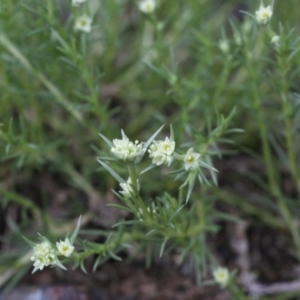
[
  {"x": 126, "y": 150},
  {"x": 264, "y": 14},
  {"x": 147, "y": 6},
  {"x": 45, "y": 254},
  {"x": 162, "y": 152}
]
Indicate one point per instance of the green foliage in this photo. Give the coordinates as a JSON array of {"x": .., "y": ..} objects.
[{"x": 201, "y": 67}]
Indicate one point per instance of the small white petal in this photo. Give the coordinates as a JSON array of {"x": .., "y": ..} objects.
[
  {"x": 191, "y": 160},
  {"x": 221, "y": 276},
  {"x": 65, "y": 247},
  {"x": 147, "y": 6},
  {"x": 83, "y": 23}
]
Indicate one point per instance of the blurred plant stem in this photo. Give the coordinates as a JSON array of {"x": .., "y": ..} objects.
[
  {"x": 284, "y": 68},
  {"x": 253, "y": 71}
]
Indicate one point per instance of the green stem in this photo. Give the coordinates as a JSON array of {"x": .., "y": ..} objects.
[
  {"x": 269, "y": 161},
  {"x": 103, "y": 248},
  {"x": 265, "y": 144},
  {"x": 134, "y": 181},
  {"x": 22, "y": 201},
  {"x": 221, "y": 83},
  {"x": 287, "y": 113},
  {"x": 271, "y": 175},
  {"x": 133, "y": 175},
  {"x": 236, "y": 292},
  {"x": 89, "y": 78}
]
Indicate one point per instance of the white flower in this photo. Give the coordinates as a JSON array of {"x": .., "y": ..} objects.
[
  {"x": 162, "y": 152},
  {"x": 276, "y": 41},
  {"x": 77, "y": 2},
  {"x": 126, "y": 150},
  {"x": 264, "y": 14},
  {"x": 83, "y": 23},
  {"x": 43, "y": 255},
  {"x": 221, "y": 276},
  {"x": 147, "y": 6},
  {"x": 127, "y": 189},
  {"x": 167, "y": 146},
  {"x": 191, "y": 160},
  {"x": 224, "y": 45},
  {"x": 65, "y": 247}
]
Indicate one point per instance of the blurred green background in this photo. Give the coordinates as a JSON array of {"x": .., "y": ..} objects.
[{"x": 60, "y": 88}]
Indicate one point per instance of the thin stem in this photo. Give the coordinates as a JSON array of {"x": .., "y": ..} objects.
[
  {"x": 22, "y": 201},
  {"x": 134, "y": 181},
  {"x": 236, "y": 292},
  {"x": 287, "y": 113},
  {"x": 133, "y": 175},
  {"x": 258, "y": 106},
  {"x": 221, "y": 83},
  {"x": 89, "y": 77}
]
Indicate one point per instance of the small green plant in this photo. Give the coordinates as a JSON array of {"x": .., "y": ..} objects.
[
  {"x": 165, "y": 222},
  {"x": 71, "y": 71}
]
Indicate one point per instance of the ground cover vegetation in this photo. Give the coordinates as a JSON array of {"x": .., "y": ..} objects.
[{"x": 151, "y": 129}]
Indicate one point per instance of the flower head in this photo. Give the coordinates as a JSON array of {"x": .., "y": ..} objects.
[
  {"x": 264, "y": 14},
  {"x": 275, "y": 41},
  {"x": 77, "y": 2},
  {"x": 162, "y": 152},
  {"x": 83, "y": 23},
  {"x": 147, "y": 6},
  {"x": 43, "y": 255},
  {"x": 126, "y": 150},
  {"x": 127, "y": 189},
  {"x": 224, "y": 45},
  {"x": 65, "y": 247},
  {"x": 191, "y": 160},
  {"x": 221, "y": 276}
]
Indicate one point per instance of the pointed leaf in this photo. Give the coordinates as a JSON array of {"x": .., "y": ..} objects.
[
  {"x": 149, "y": 141},
  {"x": 114, "y": 256},
  {"x": 177, "y": 212},
  {"x": 108, "y": 142},
  {"x": 205, "y": 165},
  {"x": 75, "y": 233},
  {"x": 111, "y": 171},
  {"x": 97, "y": 263},
  {"x": 171, "y": 133},
  {"x": 83, "y": 267},
  {"x": 120, "y": 207},
  {"x": 162, "y": 248},
  {"x": 191, "y": 186},
  {"x": 127, "y": 223},
  {"x": 59, "y": 264},
  {"x": 148, "y": 168},
  {"x": 30, "y": 243},
  {"x": 124, "y": 136},
  {"x": 151, "y": 231}
]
